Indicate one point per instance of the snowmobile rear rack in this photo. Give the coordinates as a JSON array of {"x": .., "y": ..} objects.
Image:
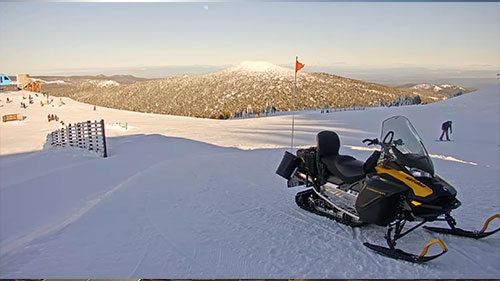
[{"x": 466, "y": 233}]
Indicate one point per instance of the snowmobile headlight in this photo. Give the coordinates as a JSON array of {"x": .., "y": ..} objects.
[{"x": 419, "y": 173}]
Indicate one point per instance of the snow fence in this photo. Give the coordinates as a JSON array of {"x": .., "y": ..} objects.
[{"x": 88, "y": 135}]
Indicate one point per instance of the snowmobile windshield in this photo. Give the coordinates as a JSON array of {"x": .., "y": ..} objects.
[{"x": 405, "y": 143}]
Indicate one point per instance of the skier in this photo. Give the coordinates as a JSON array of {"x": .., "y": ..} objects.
[{"x": 445, "y": 127}]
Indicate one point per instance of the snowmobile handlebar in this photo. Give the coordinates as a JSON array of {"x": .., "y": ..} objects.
[{"x": 371, "y": 141}]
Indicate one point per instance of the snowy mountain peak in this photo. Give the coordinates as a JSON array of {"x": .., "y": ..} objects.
[{"x": 258, "y": 67}]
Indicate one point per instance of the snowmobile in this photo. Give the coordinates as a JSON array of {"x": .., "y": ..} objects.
[{"x": 395, "y": 185}]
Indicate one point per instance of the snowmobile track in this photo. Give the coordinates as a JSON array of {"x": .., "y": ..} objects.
[{"x": 299, "y": 199}]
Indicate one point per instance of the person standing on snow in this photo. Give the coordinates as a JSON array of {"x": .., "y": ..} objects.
[{"x": 445, "y": 127}]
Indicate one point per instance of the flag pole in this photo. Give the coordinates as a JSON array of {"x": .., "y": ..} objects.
[{"x": 294, "y": 94}]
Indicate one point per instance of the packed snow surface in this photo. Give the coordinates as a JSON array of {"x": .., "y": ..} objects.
[{"x": 182, "y": 197}]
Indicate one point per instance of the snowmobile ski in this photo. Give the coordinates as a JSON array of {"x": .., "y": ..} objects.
[
  {"x": 393, "y": 252},
  {"x": 402, "y": 255},
  {"x": 467, "y": 233}
]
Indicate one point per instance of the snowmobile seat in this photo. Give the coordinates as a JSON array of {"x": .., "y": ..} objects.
[{"x": 345, "y": 167}]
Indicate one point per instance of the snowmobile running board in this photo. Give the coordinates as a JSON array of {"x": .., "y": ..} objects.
[
  {"x": 402, "y": 255},
  {"x": 466, "y": 233}
]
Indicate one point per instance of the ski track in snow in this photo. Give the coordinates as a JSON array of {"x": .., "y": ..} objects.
[
  {"x": 189, "y": 207},
  {"x": 32, "y": 176},
  {"x": 140, "y": 261},
  {"x": 46, "y": 230},
  {"x": 172, "y": 243}
]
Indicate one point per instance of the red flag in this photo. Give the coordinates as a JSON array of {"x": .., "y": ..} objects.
[{"x": 298, "y": 65}]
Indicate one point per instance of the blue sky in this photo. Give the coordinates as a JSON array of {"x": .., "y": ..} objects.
[{"x": 49, "y": 35}]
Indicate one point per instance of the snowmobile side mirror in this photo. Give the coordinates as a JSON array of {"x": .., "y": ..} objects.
[{"x": 398, "y": 142}]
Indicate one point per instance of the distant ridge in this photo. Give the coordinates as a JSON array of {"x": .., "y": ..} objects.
[
  {"x": 441, "y": 90},
  {"x": 254, "y": 84}
]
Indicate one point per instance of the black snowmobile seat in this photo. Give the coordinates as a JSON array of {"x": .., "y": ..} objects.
[{"x": 345, "y": 167}]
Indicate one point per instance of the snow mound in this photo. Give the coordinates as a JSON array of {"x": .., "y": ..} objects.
[{"x": 259, "y": 67}]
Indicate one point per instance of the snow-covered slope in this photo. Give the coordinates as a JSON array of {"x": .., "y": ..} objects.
[{"x": 198, "y": 198}]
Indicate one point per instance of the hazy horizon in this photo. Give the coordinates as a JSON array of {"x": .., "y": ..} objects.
[
  {"x": 47, "y": 36},
  {"x": 393, "y": 76}
]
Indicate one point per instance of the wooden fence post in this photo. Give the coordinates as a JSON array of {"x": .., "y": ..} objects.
[
  {"x": 89, "y": 132},
  {"x": 64, "y": 136},
  {"x": 79, "y": 134},
  {"x": 104, "y": 139},
  {"x": 70, "y": 135},
  {"x": 96, "y": 136}
]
